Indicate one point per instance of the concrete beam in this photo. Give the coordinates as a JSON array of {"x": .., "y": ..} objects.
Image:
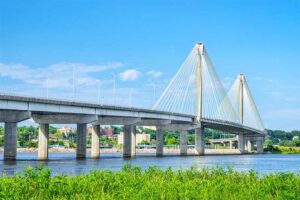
[
  {"x": 117, "y": 120},
  {"x": 178, "y": 127},
  {"x": 154, "y": 122},
  {"x": 63, "y": 118},
  {"x": 14, "y": 116}
]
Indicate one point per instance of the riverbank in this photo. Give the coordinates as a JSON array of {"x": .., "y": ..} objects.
[
  {"x": 286, "y": 150},
  {"x": 152, "y": 183},
  {"x": 117, "y": 150},
  {"x": 276, "y": 150}
]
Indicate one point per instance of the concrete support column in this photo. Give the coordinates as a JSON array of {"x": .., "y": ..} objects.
[
  {"x": 129, "y": 149},
  {"x": 230, "y": 145},
  {"x": 43, "y": 141},
  {"x": 260, "y": 147},
  {"x": 199, "y": 141},
  {"x": 159, "y": 141},
  {"x": 249, "y": 145},
  {"x": 81, "y": 141},
  {"x": 10, "y": 141},
  {"x": 241, "y": 143},
  {"x": 183, "y": 143},
  {"x": 95, "y": 151}
]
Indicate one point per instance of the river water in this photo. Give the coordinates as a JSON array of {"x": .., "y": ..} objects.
[{"x": 66, "y": 162}]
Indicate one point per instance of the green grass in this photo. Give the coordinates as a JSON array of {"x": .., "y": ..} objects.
[
  {"x": 153, "y": 183},
  {"x": 286, "y": 150}
]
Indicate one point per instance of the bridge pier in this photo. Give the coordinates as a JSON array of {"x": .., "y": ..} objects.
[
  {"x": 183, "y": 143},
  {"x": 129, "y": 146},
  {"x": 10, "y": 119},
  {"x": 159, "y": 141},
  {"x": 230, "y": 145},
  {"x": 199, "y": 141},
  {"x": 241, "y": 143},
  {"x": 81, "y": 141},
  {"x": 10, "y": 141},
  {"x": 95, "y": 150},
  {"x": 260, "y": 147},
  {"x": 43, "y": 141},
  {"x": 249, "y": 145}
]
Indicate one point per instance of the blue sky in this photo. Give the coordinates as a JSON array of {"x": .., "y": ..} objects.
[{"x": 143, "y": 43}]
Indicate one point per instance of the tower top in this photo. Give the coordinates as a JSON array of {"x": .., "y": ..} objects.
[
  {"x": 200, "y": 47},
  {"x": 241, "y": 76}
]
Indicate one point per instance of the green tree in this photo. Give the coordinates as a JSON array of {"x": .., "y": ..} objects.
[
  {"x": 1, "y": 136},
  {"x": 26, "y": 134},
  {"x": 296, "y": 142},
  {"x": 52, "y": 130},
  {"x": 144, "y": 143},
  {"x": 172, "y": 141}
]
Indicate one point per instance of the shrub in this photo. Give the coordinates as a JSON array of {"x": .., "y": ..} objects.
[{"x": 152, "y": 183}]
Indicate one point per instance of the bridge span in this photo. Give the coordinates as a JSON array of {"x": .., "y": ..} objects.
[
  {"x": 195, "y": 99},
  {"x": 14, "y": 109}
]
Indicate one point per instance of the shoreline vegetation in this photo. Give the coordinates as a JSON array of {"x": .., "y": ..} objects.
[
  {"x": 64, "y": 140},
  {"x": 153, "y": 183},
  {"x": 273, "y": 150},
  {"x": 285, "y": 150},
  {"x": 167, "y": 150}
]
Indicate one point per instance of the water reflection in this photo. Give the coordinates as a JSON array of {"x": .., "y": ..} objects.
[{"x": 66, "y": 162}]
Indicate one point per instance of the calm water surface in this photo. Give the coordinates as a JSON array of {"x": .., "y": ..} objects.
[{"x": 67, "y": 164}]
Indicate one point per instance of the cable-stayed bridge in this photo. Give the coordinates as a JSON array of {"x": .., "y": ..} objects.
[
  {"x": 197, "y": 90},
  {"x": 195, "y": 99}
]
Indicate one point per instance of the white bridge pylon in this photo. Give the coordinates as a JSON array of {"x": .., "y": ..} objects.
[
  {"x": 240, "y": 96},
  {"x": 197, "y": 90}
]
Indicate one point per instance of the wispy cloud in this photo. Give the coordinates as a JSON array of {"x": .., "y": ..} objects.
[
  {"x": 154, "y": 74},
  {"x": 293, "y": 114},
  {"x": 275, "y": 93},
  {"x": 130, "y": 75},
  {"x": 56, "y": 75},
  {"x": 93, "y": 83},
  {"x": 259, "y": 78}
]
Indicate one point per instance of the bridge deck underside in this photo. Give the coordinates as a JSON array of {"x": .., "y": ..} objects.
[{"x": 232, "y": 128}]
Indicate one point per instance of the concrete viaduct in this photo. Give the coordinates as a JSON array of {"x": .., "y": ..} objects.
[{"x": 14, "y": 109}]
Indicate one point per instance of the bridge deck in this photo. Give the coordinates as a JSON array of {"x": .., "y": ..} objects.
[{"x": 46, "y": 106}]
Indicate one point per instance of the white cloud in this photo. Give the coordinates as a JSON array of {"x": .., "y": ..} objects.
[
  {"x": 290, "y": 99},
  {"x": 57, "y": 75},
  {"x": 258, "y": 78},
  {"x": 275, "y": 93},
  {"x": 286, "y": 113},
  {"x": 130, "y": 75},
  {"x": 154, "y": 74}
]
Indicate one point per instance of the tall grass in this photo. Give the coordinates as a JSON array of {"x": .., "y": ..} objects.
[
  {"x": 153, "y": 183},
  {"x": 286, "y": 150}
]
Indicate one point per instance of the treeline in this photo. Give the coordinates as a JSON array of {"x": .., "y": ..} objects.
[
  {"x": 283, "y": 138},
  {"x": 28, "y": 136}
]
